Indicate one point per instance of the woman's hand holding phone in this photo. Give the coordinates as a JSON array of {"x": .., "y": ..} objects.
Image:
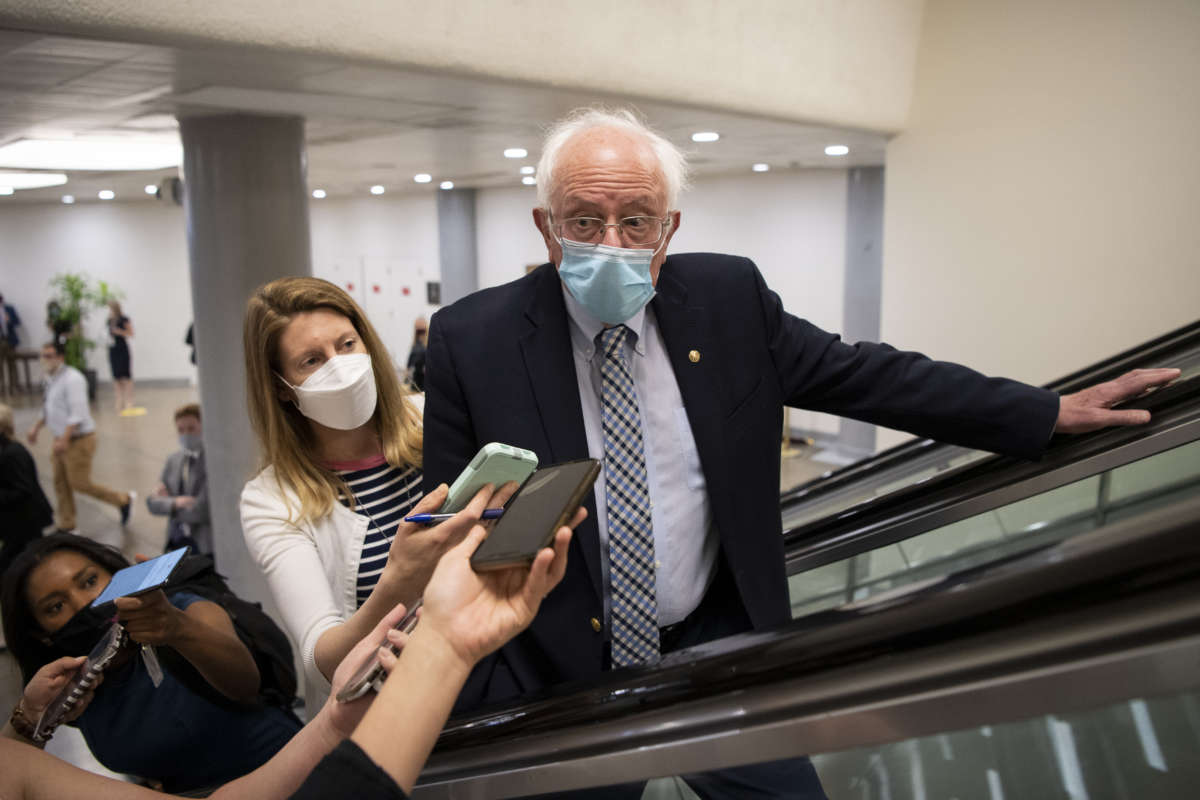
[
  {"x": 345, "y": 716},
  {"x": 474, "y": 613},
  {"x": 46, "y": 684},
  {"x": 150, "y": 618},
  {"x": 416, "y": 548}
]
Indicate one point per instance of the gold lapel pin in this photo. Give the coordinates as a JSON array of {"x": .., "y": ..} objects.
[{"x": 694, "y": 356}]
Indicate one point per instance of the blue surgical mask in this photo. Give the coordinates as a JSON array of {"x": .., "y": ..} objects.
[
  {"x": 612, "y": 283},
  {"x": 191, "y": 441}
]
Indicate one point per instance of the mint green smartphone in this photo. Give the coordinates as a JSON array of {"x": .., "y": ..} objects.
[{"x": 496, "y": 464}]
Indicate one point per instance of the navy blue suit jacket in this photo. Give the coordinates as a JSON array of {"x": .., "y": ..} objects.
[{"x": 500, "y": 368}]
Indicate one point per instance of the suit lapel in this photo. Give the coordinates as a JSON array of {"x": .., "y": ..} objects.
[
  {"x": 684, "y": 333},
  {"x": 550, "y": 365}
]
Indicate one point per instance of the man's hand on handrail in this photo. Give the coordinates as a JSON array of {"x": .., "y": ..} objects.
[{"x": 1091, "y": 409}]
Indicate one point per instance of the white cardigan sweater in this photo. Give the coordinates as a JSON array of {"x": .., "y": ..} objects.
[{"x": 311, "y": 567}]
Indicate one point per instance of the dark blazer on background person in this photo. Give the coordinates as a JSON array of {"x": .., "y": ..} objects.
[
  {"x": 500, "y": 368},
  {"x": 10, "y": 320},
  {"x": 24, "y": 510}
]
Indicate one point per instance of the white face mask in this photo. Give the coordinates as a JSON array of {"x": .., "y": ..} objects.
[{"x": 341, "y": 394}]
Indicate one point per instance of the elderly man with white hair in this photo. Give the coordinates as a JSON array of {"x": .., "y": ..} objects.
[{"x": 674, "y": 370}]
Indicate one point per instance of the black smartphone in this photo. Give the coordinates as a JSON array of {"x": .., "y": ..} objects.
[
  {"x": 141, "y": 578},
  {"x": 544, "y": 503}
]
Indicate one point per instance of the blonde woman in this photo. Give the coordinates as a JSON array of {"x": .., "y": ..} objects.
[{"x": 341, "y": 449}]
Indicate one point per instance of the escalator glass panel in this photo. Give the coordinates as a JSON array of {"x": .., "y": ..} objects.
[
  {"x": 1138, "y": 748},
  {"x": 1129, "y": 750},
  {"x": 919, "y": 468},
  {"x": 1030, "y": 523},
  {"x": 909, "y": 473}
]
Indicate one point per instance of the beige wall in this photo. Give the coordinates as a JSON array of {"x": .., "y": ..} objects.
[
  {"x": 1042, "y": 204},
  {"x": 839, "y": 62}
]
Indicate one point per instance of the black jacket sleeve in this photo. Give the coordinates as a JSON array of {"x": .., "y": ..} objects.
[
  {"x": 904, "y": 390},
  {"x": 348, "y": 772}
]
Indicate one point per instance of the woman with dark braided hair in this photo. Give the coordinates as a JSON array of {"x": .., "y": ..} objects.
[{"x": 163, "y": 730}]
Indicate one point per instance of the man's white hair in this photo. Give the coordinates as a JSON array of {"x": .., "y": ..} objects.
[{"x": 671, "y": 159}]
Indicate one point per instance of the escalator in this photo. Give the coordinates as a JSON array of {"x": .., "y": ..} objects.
[{"x": 965, "y": 625}]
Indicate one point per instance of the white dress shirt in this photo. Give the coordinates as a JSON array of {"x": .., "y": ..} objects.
[
  {"x": 66, "y": 402},
  {"x": 685, "y": 540}
]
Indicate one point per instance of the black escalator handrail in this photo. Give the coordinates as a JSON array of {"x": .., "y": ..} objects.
[
  {"x": 1173, "y": 344},
  {"x": 1136, "y": 561},
  {"x": 861, "y": 527},
  {"x": 1156, "y": 351}
]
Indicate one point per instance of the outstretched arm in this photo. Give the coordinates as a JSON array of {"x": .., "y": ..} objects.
[
  {"x": 413, "y": 554},
  {"x": 30, "y": 774},
  {"x": 466, "y": 616},
  {"x": 202, "y": 633}
]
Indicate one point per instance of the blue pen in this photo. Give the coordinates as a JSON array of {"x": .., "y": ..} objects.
[{"x": 430, "y": 519}]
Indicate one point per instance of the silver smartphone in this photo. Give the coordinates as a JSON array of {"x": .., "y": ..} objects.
[
  {"x": 371, "y": 675},
  {"x": 83, "y": 680}
]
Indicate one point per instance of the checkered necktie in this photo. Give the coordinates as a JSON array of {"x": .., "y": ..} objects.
[{"x": 630, "y": 538}]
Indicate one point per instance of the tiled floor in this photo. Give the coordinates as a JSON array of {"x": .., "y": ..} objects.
[{"x": 129, "y": 455}]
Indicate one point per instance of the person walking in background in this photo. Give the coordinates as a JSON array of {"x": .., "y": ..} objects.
[
  {"x": 10, "y": 320},
  {"x": 414, "y": 375},
  {"x": 120, "y": 329},
  {"x": 182, "y": 494},
  {"x": 24, "y": 510},
  {"x": 65, "y": 412}
]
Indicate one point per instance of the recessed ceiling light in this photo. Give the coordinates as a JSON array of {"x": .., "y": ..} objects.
[
  {"x": 86, "y": 153},
  {"x": 422, "y": 177},
  {"x": 377, "y": 189},
  {"x": 516, "y": 152},
  {"x": 836, "y": 150},
  {"x": 761, "y": 167},
  {"x": 447, "y": 184},
  {"x": 319, "y": 194},
  {"x": 526, "y": 170},
  {"x": 529, "y": 180},
  {"x": 151, "y": 189},
  {"x": 705, "y": 136},
  {"x": 31, "y": 180},
  {"x": 6, "y": 190},
  {"x": 68, "y": 199},
  {"x": 106, "y": 194}
]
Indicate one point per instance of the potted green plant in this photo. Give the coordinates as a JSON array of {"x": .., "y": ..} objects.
[{"x": 75, "y": 296}]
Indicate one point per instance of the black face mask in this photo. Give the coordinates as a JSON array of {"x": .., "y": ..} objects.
[{"x": 81, "y": 633}]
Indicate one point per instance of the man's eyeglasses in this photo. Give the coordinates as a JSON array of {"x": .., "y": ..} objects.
[{"x": 641, "y": 231}]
